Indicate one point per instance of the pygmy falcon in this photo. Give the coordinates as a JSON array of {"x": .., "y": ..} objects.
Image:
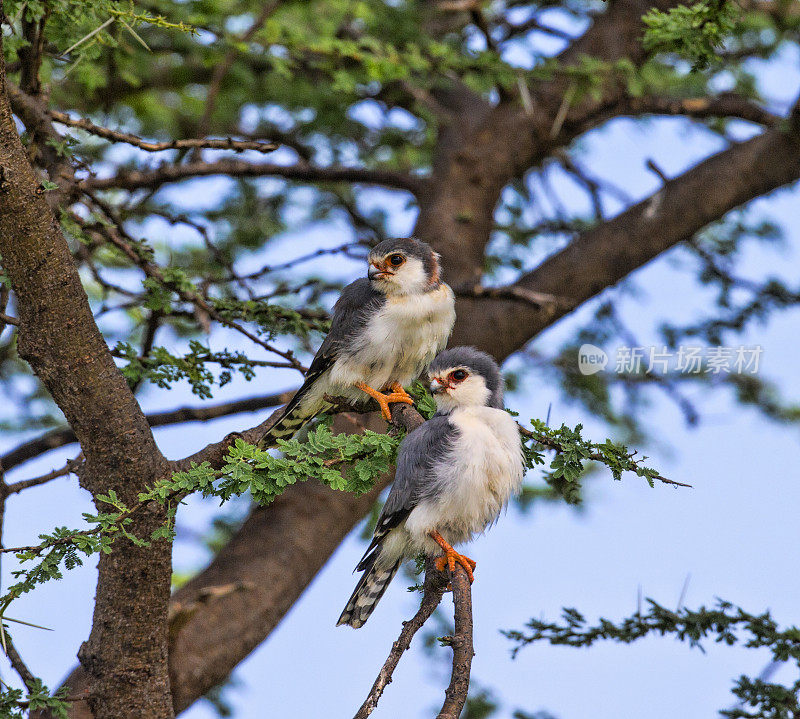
[
  {"x": 386, "y": 329},
  {"x": 454, "y": 475}
]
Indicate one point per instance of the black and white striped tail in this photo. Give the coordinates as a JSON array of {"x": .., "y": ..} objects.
[
  {"x": 368, "y": 593},
  {"x": 294, "y": 417}
]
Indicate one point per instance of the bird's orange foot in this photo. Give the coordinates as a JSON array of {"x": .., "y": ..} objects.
[
  {"x": 384, "y": 399},
  {"x": 451, "y": 558},
  {"x": 397, "y": 388}
]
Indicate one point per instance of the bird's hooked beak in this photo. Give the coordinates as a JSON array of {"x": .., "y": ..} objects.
[
  {"x": 438, "y": 386},
  {"x": 376, "y": 272}
]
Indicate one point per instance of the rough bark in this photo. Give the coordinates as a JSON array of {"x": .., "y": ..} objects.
[{"x": 126, "y": 654}]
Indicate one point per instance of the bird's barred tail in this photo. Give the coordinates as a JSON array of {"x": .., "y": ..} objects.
[
  {"x": 367, "y": 594},
  {"x": 294, "y": 417}
]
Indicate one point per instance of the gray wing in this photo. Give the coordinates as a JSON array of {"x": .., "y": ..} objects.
[
  {"x": 416, "y": 462},
  {"x": 357, "y": 303},
  {"x": 352, "y": 310}
]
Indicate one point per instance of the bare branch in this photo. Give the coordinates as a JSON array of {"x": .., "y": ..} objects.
[
  {"x": 461, "y": 642},
  {"x": 16, "y": 487},
  {"x": 514, "y": 30},
  {"x": 27, "y": 676},
  {"x": 434, "y": 587},
  {"x": 198, "y": 143},
  {"x": 724, "y": 105},
  {"x": 62, "y": 437},
  {"x": 303, "y": 172}
]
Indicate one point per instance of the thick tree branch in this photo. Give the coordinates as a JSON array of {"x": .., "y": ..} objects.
[
  {"x": 601, "y": 257},
  {"x": 302, "y": 172},
  {"x": 44, "y": 141},
  {"x": 483, "y": 148},
  {"x": 723, "y": 105}
]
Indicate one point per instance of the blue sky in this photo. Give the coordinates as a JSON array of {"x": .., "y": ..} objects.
[{"x": 732, "y": 532}]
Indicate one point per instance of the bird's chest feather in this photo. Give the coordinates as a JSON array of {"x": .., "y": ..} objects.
[
  {"x": 406, "y": 333},
  {"x": 482, "y": 471}
]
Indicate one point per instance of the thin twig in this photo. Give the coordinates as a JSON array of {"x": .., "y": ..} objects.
[
  {"x": 301, "y": 172},
  {"x": 5, "y": 293},
  {"x": 461, "y": 641},
  {"x": 68, "y": 468},
  {"x": 289, "y": 264},
  {"x": 651, "y": 165},
  {"x": 188, "y": 144},
  {"x": 126, "y": 244}
]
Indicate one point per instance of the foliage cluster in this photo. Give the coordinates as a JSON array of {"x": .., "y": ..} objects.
[{"x": 725, "y": 623}]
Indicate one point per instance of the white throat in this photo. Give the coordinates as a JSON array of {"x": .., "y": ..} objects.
[
  {"x": 410, "y": 279},
  {"x": 472, "y": 392}
]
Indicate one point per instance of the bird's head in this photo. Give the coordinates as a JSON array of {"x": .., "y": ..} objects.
[
  {"x": 465, "y": 377},
  {"x": 403, "y": 266}
]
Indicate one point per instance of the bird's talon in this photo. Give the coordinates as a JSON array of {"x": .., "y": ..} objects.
[
  {"x": 383, "y": 400},
  {"x": 451, "y": 558},
  {"x": 398, "y": 389}
]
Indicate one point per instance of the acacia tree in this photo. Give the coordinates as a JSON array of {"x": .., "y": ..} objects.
[{"x": 304, "y": 108}]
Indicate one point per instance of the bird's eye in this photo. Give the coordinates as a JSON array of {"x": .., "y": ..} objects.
[
  {"x": 459, "y": 375},
  {"x": 396, "y": 260}
]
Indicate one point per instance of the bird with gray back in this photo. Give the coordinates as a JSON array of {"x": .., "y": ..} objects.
[
  {"x": 454, "y": 475},
  {"x": 386, "y": 328}
]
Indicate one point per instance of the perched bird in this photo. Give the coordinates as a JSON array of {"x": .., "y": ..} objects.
[
  {"x": 386, "y": 329},
  {"x": 454, "y": 475}
]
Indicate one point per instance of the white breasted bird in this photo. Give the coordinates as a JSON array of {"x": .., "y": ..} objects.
[
  {"x": 454, "y": 475},
  {"x": 386, "y": 329}
]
